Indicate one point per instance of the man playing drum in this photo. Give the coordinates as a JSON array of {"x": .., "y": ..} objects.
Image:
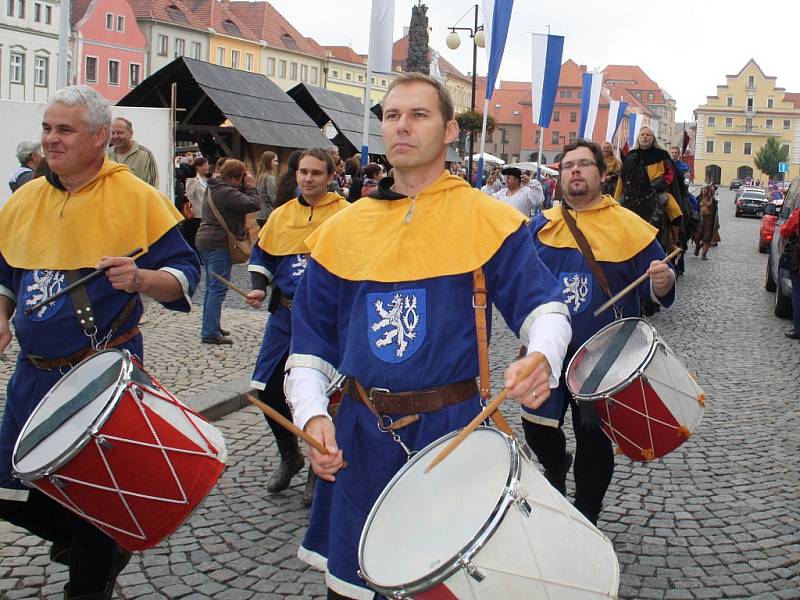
[
  {"x": 388, "y": 300},
  {"x": 624, "y": 247},
  {"x": 87, "y": 213}
]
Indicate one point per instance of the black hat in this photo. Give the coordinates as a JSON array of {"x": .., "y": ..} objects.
[{"x": 512, "y": 171}]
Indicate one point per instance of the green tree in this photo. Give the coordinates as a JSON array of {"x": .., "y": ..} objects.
[
  {"x": 417, "y": 60},
  {"x": 769, "y": 155},
  {"x": 472, "y": 121}
]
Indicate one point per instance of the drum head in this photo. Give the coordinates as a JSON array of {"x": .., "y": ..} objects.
[
  {"x": 629, "y": 342},
  {"x": 422, "y": 521},
  {"x": 68, "y": 435}
]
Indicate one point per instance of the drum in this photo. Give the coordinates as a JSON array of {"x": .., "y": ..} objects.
[
  {"x": 648, "y": 403},
  {"x": 482, "y": 524},
  {"x": 110, "y": 443}
]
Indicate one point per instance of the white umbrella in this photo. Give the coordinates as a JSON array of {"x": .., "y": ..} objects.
[
  {"x": 488, "y": 158},
  {"x": 531, "y": 166}
]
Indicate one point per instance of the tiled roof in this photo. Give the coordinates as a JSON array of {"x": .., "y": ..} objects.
[
  {"x": 571, "y": 74},
  {"x": 169, "y": 11},
  {"x": 345, "y": 53},
  {"x": 211, "y": 13},
  {"x": 78, "y": 10},
  {"x": 792, "y": 97},
  {"x": 400, "y": 55},
  {"x": 633, "y": 77},
  {"x": 271, "y": 26}
]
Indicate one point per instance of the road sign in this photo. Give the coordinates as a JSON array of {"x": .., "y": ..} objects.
[{"x": 783, "y": 167}]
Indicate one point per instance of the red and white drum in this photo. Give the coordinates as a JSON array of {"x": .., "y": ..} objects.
[
  {"x": 110, "y": 443},
  {"x": 647, "y": 401},
  {"x": 483, "y": 524}
]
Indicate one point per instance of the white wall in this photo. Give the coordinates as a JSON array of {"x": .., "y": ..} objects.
[{"x": 23, "y": 121}]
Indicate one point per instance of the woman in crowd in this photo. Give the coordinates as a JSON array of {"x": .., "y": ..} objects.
[
  {"x": 266, "y": 185},
  {"x": 708, "y": 232},
  {"x": 287, "y": 184}
]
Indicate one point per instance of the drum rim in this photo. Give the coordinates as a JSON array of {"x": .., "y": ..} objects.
[
  {"x": 471, "y": 547},
  {"x": 635, "y": 374},
  {"x": 80, "y": 442}
]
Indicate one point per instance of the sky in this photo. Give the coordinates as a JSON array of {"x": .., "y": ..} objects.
[{"x": 687, "y": 47}]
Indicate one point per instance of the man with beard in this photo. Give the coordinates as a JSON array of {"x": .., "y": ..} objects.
[{"x": 623, "y": 247}]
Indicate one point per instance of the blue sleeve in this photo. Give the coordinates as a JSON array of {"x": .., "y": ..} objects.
[
  {"x": 315, "y": 311},
  {"x": 172, "y": 254},
  {"x": 519, "y": 283},
  {"x": 7, "y": 280},
  {"x": 263, "y": 262},
  {"x": 642, "y": 263}
]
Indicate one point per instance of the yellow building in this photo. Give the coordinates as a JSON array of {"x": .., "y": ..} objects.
[
  {"x": 735, "y": 123},
  {"x": 347, "y": 74}
]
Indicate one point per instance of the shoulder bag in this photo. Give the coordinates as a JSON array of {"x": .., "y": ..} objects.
[{"x": 238, "y": 247}]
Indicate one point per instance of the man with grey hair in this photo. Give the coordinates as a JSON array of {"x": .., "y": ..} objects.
[
  {"x": 28, "y": 154},
  {"x": 127, "y": 151},
  {"x": 86, "y": 213},
  {"x": 333, "y": 152}
]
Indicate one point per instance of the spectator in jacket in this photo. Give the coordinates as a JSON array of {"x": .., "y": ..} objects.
[
  {"x": 266, "y": 185},
  {"x": 28, "y": 154}
]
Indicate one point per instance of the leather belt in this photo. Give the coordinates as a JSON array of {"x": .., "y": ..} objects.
[
  {"x": 47, "y": 364},
  {"x": 412, "y": 403},
  {"x": 286, "y": 302}
]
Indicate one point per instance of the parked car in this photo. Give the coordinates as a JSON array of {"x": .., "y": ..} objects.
[
  {"x": 750, "y": 188},
  {"x": 767, "y": 230},
  {"x": 777, "y": 279},
  {"x": 736, "y": 184},
  {"x": 751, "y": 203}
]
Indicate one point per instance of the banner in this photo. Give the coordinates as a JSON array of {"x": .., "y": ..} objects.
[
  {"x": 634, "y": 125},
  {"x": 590, "y": 101},
  {"x": 496, "y": 20},
  {"x": 381, "y": 34},
  {"x": 616, "y": 112},
  {"x": 546, "y": 55}
]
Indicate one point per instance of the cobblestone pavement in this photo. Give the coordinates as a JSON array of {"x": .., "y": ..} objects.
[{"x": 717, "y": 518}]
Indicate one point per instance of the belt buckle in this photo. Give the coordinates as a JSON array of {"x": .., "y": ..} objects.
[{"x": 372, "y": 390}]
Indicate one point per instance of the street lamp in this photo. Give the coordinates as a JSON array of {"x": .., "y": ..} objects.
[{"x": 453, "y": 41}]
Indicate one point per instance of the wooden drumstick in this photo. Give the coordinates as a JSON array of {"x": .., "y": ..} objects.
[
  {"x": 632, "y": 285},
  {"x": 484, "y": 414},
  {"x": 229, "y": 284},
  {"x": 288, "y": 425}
]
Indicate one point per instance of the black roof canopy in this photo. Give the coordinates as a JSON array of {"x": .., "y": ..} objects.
[
  {"x": 209, "y": 94},
  {"x": 344, "y": 111}
]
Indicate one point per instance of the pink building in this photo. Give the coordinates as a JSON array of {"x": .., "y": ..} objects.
[{"x": 109, "y": 48}]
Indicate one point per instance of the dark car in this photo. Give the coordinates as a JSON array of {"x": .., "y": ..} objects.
[
  {"x": 736, "y": 184},
  {"x": 751, "y": 203},
  {"x": 778, "y": 279}
]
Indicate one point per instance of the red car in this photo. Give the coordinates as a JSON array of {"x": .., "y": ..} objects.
[{"x": 767, "y": 231}]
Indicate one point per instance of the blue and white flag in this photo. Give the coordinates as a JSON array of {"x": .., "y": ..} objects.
[
  {"x": 616, "y": 112},
  {"x": 496, "y": 20},
  {"x": 381, "y": 34},
  {"x": 546, "y": 58},
  {"x": 634, "y": 125},
  {"x": 590, "y": 101}
]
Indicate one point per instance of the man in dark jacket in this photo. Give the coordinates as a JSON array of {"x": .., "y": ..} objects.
[{"x": 28, "y": 154}]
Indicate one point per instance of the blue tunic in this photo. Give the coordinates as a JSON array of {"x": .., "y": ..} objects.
[{"x": 53, "y": 331}]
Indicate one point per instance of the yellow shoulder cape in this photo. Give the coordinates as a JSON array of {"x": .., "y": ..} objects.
[
  {"x": 615, "y": 234},
  {"x": 43, "y": 227},
  {"x": 448, "y": 229},
  {"x": 289, "y": 225}
]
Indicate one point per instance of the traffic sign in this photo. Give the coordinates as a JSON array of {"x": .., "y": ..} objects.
[{"x": 783, "y": 167}]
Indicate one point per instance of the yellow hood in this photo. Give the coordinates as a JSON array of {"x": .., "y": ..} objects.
[{"x": 288, "y": 226}]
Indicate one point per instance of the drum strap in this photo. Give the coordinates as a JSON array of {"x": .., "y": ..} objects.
[
  {"x": 586, "y": 250},
  {"x": 81, "y": 400},
  {"x": 609, "y": 356}
]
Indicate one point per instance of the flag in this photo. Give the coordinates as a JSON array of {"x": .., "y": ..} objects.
[
  {"x": 685, "y": 143},
  {"x": 381, "y": 34},
  {"x": 546, "y": 58},
  {"x": 590, "y": 100},
  {"x": 616, "y": 112},
  {"x": 635, "y": 124},
  {"x": 496, "y": 20}
]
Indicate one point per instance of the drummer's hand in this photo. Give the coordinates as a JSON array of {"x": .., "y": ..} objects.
[
  {"x": 534, "y": 389},
  {"x": 5, "y": 335},
  {"x": 255, "y": 298},
  {"x": 325, "y": 465},
  {"x": 122, "y": 273},
  {"x": 661, "y": 276}
]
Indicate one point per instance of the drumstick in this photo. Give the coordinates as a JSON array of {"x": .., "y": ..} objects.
[
  {"x": 627, "y": 289},
  {"x": 291, "y": 427},
  {"x": 229, "y": 284},
  {"x": 484, "y": 414},
  {"x": 81, "y": 282}
]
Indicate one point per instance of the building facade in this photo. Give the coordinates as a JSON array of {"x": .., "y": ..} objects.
[
  {"x": 28, "y": 49},
  {"x": 736, "y": 122}
]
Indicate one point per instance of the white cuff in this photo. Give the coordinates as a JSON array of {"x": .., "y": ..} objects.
[
  {"x": 550, "y": 334},
  {"x": 4, "y": 291},
  {"x": 305, "y": 391},
  {"x": 259, "y": 269},
  {"x": 181, "y": 277}
]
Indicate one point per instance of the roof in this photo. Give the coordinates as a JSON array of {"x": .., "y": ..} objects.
[
  {"x": 633, "y": 77},
  {"x": 344, "y": 111},
  {"x": 257, "y": 108},
  {"x": 346, "y": 54},
  {"x": 400, "y": 56},
  {"x": 218, "y": 16},
  {"x": 271, "y": 26},
  {"x": 792, "y": 97},
  {"x": 571, "y": 74},
  {"x": 174, "y": 12},
  {"x": 77, "y": 10}
]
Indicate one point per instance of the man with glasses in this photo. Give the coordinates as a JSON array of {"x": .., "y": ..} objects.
[{"x": 624, "y": 247}]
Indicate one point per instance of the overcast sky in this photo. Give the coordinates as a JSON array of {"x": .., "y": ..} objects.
[{"x": 687, "y": 47}]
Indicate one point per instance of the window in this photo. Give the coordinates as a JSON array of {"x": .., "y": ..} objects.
[
  {"x": 554, "y": 137},
  {"x": 728, "y": 121},
  {"x": 10, "y": 9},
  {"x": 196, "y": 50},
  {"x": 235, "y": 59},
  {"x": 303, "y": 72},
  {"x": 180, "y": 47},
  {"x": 573, "y": 117},
  {"x": 221, "y": 56},
  {"x": 769, "y": 123},
  {"x": 651, "y": 96},
  {"x": 770, "y": 102},
  {"x": 134, "y": 74},
  {"x": 270, "y": 67},
  {"x": 638, "y": 95},
  {"x": 282, "y": 69},
  {"x": 573, "y": 137},
  {"x": 787, "y": 124},
  {"x": 538, "y": 136},
  {"x": 751, "y": 81},
  {"x": 498, "y": 105},
  {"x": 37, "y": 12},
  {"x": 120, "y": 23},
  {"x": 750, "y": 103},
  {"x": 730, "y": 101},
  {"x": 348, "y": 75},
  {"x": 48, "y": 15},
  {"x": 21, "y": 9},
  {"x": 335, "y": 75},
  {"x": 162, "y": 44},
  {"x": 383, "y": 82},
  {"x": 748, "y": 148},
  {"x": 17, "y": 72},
  {"x": 373, "y": 81},
  {"x": 748, "y": 124},
  {"x": 293, "y": 71},
  {"x": 113, "y": 72},
  {"x": 710, "y": 146},
  {"x": 516, "y": 113},
  {"x": 314, "y": 74},
  {"x": 90, "y": 73},
  {"x": 110, "y": 21},
  {"x": 361, "y": 78},
  {"x": 785, "y": 148},
  {"x": 248, "y": 61},
  {"x": 40, "y": 71},
  {"x": 556, "y": 116},
  {"x": 726, "y": 147},
  {"x": 712, "y": 121}
]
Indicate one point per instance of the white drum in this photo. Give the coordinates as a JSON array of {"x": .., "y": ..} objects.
[{"x": 482, "y": 524}]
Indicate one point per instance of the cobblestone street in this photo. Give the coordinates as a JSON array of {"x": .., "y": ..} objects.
[{"x": 717, "y": 518}]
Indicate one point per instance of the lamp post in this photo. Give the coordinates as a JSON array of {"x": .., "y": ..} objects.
[
  {"x": 453, "y": 41},
  {"x": 503, "y": 141}
]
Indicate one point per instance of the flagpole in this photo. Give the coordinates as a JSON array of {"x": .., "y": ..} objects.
[
  {"x": 479, "y": 178},
  {"x": 541, "y": 138},
  {"x": 367, "y": 98}
]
